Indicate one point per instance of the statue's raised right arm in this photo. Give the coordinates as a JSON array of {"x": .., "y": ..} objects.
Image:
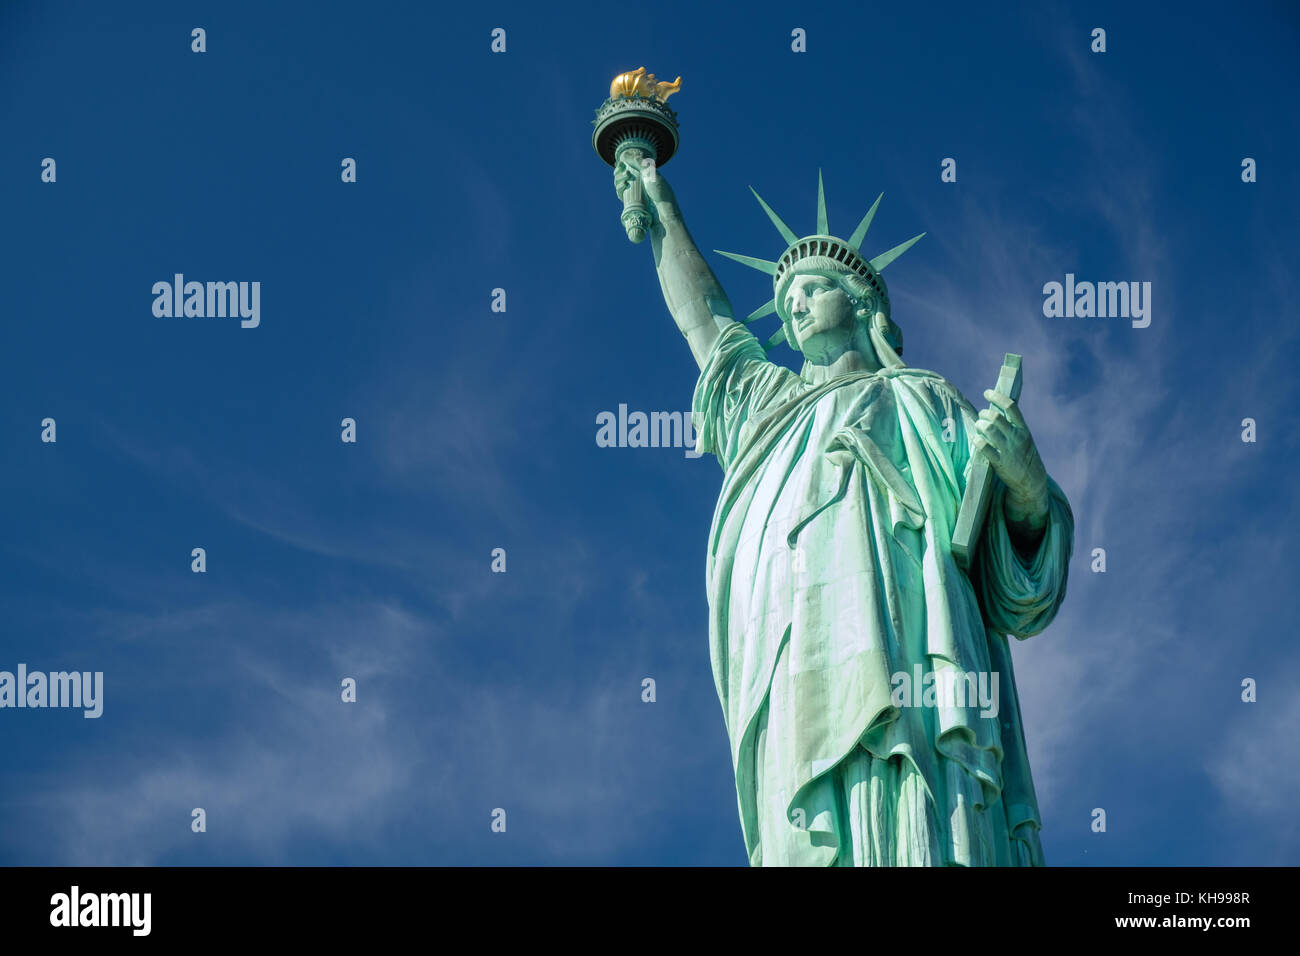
[{"x": 693, "y": 294}]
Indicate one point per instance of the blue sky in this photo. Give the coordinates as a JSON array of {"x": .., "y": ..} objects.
[{"x": 476, "y": 430}]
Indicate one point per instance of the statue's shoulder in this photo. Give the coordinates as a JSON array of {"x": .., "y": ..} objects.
[
  {"x": 923, "y": 379},
  {"x": 737, "y": 342}
]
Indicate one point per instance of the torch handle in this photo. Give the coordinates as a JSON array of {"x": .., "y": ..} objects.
[{"x": 636, "y": 216}]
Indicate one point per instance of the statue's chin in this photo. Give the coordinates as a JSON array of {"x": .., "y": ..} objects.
[
  {"x": 823, "y": 349},
  {"x": 820, "y": 360}
]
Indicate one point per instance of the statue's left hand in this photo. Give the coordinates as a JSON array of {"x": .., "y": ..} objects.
[{"x": 1004, "y": 439}]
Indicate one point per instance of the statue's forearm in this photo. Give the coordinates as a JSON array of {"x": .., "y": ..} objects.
[
  {"x": 694, "y": 296},
  {"x": 1026, "y": 521}
]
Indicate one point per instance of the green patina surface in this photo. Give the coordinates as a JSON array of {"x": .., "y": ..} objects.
[{"x": 834, "y": 592}]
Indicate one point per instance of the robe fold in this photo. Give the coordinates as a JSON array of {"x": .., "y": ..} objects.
[{"x": 830, "y": 572}]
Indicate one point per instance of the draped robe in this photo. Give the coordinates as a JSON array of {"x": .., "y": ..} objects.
[{"x": 830, "y": 570}]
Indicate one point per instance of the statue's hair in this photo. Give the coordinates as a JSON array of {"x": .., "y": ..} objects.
[{"x": 866, "y": 301}]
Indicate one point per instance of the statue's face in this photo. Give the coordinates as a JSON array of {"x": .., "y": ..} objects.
[{"x": 822, "y": 318}]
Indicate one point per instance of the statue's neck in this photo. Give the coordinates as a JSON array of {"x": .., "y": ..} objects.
[{"x": 848, "y": 363}]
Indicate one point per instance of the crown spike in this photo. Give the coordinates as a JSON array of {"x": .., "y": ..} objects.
[
  {"x": 823, "y": 229},
  {"x": 762, "y": 265},
  {"x": 777, "y": 338},
  {"x": 767, "y": 308},
  {"x": 860, "y": 233},
  {"x": 786, "y": 232},
  {"x": 885, "y": 258}
]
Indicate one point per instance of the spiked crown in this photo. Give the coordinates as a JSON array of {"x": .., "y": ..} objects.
[{"x": 821, "y": 245}]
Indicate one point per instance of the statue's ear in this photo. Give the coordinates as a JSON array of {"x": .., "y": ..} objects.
[{"x": 865, "y": 308}]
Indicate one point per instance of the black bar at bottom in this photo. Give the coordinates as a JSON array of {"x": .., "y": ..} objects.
[{"x": 338, "y": 905}]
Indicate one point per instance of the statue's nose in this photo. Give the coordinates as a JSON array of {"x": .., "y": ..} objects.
[{"x": 798, "y": 303}]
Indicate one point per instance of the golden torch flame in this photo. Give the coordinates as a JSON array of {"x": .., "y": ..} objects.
[{"x": 640, "y": 83}]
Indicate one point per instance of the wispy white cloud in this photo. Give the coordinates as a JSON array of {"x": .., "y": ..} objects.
[
  {"x": 276, "y": 753},
  {"x": 1254, "y": 770},
  {"x": 264, "y": 743},
  {"x": 1137, "y": 466}
]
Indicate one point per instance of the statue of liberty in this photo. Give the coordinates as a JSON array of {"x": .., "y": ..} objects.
[{"x": 832, "y": 582}]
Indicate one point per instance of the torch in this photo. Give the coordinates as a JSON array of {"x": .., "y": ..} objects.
[{"x": 636, "y": 117}]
